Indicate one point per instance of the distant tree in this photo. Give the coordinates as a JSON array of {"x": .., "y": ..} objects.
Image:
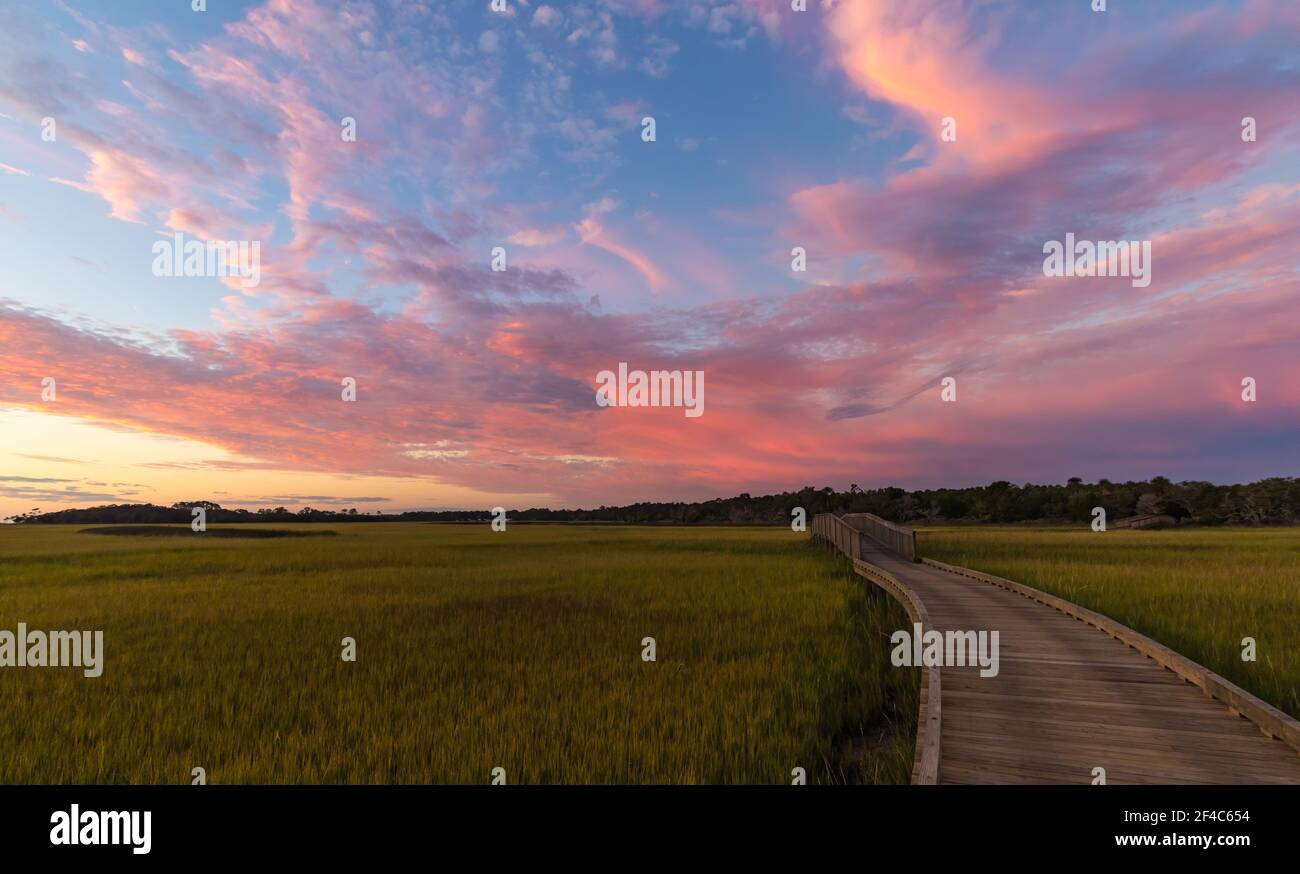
[
  {"x": 1148, "y": 504},
  {"x": 189, "y": 505},
  {"x": 1273, "y": 501}
]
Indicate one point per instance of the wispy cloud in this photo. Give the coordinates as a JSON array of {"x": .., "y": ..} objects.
[{"x": 525, "y": 133}]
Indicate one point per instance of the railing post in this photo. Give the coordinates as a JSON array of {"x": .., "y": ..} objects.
[{"x": 897, "y": 538}]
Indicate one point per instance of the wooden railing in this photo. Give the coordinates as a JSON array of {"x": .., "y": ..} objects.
[
  {"x": 842, "y": 531},
  {"x": 840, "y": 535},
  {"x": 837, "y": 534},
  {"x": 895, "y": 538}
]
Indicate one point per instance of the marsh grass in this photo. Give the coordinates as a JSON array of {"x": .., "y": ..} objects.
[
  {"x": 1197, "y": 591},
  {"x": 474, "y": 650}
]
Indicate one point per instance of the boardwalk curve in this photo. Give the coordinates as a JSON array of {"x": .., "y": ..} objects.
[{"x": 1074, "y": 691}]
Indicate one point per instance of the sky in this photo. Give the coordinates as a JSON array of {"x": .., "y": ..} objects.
[{"x": 920, "y": 154}]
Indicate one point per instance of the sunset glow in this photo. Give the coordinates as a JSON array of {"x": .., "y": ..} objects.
[{"x": 774, "y": 130}]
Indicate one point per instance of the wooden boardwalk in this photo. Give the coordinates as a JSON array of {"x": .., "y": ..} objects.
[{"x": 1070, "y": 697}]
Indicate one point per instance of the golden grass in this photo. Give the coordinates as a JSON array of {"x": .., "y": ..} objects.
[{"x": 475, "y": 650}]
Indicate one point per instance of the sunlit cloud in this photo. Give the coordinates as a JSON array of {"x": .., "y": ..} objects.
[{"x": 476, "y": 384}]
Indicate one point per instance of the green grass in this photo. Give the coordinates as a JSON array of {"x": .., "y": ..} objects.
[
  {"x": 1197, "y": 591},
  {"x": 474, "y": 650}
]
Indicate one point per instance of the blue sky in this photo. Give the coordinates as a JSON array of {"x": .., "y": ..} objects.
[{"x": 776, "y": 129}]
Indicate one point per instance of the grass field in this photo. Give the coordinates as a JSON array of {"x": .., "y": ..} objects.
[
  {"x": 1198, "y": 591},
  {"x": 474, "y": 650}
]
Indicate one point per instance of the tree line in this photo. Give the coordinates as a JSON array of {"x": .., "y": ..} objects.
[{"x": 1274, "y": 501}]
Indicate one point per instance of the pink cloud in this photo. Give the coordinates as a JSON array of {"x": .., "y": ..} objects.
[
  {"x": 594, "y": 233},
  {"x": 476, "y": 377}
]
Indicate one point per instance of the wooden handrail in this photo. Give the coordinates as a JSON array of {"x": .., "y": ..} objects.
[
  {"x": 898, "y": 538},
  {"x": 846, "y": 539},
  {"x": 837, "y": 533},
  {"x": 929, "y": 715}
]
